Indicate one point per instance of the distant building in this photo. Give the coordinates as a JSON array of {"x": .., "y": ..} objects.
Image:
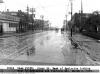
[
  {"x": 78, "y": 20},
  {"x": 46, "y": 24},
  {"x": 13, "y": 13},
  {"x": 8, "y": 23},
  {"x": 25, "y": 21}
]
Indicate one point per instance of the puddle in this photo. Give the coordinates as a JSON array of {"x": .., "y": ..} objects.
[{"x": 31, "y": 51}]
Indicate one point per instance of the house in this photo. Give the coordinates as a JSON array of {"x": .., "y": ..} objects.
[{"x": 8, "y": 23}]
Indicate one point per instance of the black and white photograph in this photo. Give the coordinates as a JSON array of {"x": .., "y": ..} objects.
[{"x": 50, "y": 33}]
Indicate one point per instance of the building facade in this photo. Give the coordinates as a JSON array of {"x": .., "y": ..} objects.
[
  {"x": 79, "y": 21},
  {"x": 8, "y": 23}
]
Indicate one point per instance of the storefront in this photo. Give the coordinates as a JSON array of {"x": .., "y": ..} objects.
[{"x": 8, "y": 23}]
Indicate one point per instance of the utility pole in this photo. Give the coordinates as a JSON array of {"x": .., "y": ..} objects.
[
  {"x": 81, "y": 14},
  {"x": 71, "y": 15},
  {"x": 27, "y": 17},
  {"x": 81, "y": 7},
  {"x": 66, "y": 24},
  {"x": 42, "y": 17},
  {"x": 1, "y": 26},
  {"x": 33, "y": 15},
  {"x": 27, "y": 12}
]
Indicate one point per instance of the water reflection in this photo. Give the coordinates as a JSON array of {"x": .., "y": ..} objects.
[
  {"x": 31, "y": 51},
  {"x": 47, "y": 37},
  {"x": 26, "y": 45},
  {"x": 42, "y": 42},
  {"x": 46, "y": 47},
  {"x": 14, "y": 46},
  {"x": 1, "y": 42}
]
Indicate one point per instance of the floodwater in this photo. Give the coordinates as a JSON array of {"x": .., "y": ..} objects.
[{"x": 44, "y": 48}]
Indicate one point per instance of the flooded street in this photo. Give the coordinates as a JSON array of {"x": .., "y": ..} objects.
[{"x": 44, "y": 48}]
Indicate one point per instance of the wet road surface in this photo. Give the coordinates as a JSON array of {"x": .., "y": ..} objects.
[{"x": 44, "y": 48}]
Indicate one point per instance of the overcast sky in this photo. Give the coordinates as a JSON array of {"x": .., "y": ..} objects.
[{"x": 53, "y": 10}]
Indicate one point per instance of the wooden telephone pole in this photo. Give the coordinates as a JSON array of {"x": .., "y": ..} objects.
[
  {"x": 71, "y": 14},
  {"x": 27, "y": 14},
  {"x": 42, "y": 17},
  {"x": 81, "y": 7},
  {"x": 33, "y": 15},
  {"x": 81, "y": 15}
]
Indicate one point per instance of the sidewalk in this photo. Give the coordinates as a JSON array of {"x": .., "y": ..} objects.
[
  {"x": 90, "y": 46},
  {"x": 5, "y": 35}
]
